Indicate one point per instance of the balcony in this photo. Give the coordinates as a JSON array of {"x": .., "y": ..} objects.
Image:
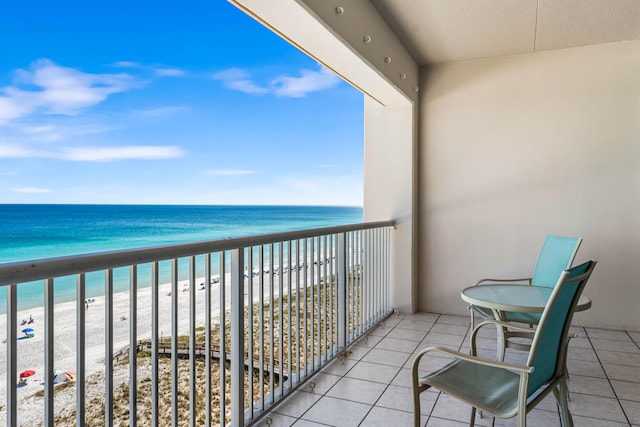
[
  {"x": 325, "y": 345},
  {"x": 208, "y": 333},
  {"x": 372, "y": 386}
]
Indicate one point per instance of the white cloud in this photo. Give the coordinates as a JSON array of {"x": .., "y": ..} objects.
[
  {"x": 160, "y": 70},
  {"x": 169, "y": 72},
  {"x": 126, "y": 64},
  {"x": 228, "y": 172},
  {"x": 58, "y": 90},
  {"x": 51, "y": 133},
  {"x": 282, "y": 86},
  {"x": 96, "y": 154},
  {"x": 31, "y": 190},
  {"x": 237, "y": 79},
  {"x": 309, "y": 81},
  {"x": 162, "y": 111},
  {"x": 108, "y": 154},
  {"x": 8, "y": 151}
]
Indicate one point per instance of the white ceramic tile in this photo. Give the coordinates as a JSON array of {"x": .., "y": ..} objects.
[
  {"x": 590, "y": 385},
  {"x": 578, "y": 330},
  {"x": 423, "y": 317},
  {"x": 337, "y": 412},
  {"x": 305, "y": 423},
  {"x": 439, "y": 422},
  {"x": 447, "y": 407},
  {"x": 536, "y": 417},
  {"x": 607, "y": 334},
  {"x": 435, "y": 338},
  {"x": 321, "y": 383},
  {"x": 277, "y": 420},
  {"x": 596, "y": 407},
  {"x": 392, "y": 321},
  {"x": 593, "y": 402},
  {"x": 580, "y": 421},
  {"x": 403, "y": 378},
  {"x": 401, "y": 398},
  {"x": 619, "y": 358},
  {"x": 588, "y": 369},
  {"x": 445, "y": 328},
  {"x": 368, "y": 341},
  {"x": 378, "y": 331},
  {"x": 396, "y": 344},
  {"x": 385, "y": 417},
  {"x": 373, "y": 372},
  {"x": 386, "y": 357},
  {"x": 635, "y": 336},
  {"x": 454, "y": 320},
  {"x": 356, "y": 352},
  {"x": 407, "y": 334},
  {"x": 580, "y": 342},
  {"x": 417, "y": 325},
  {"x": 632, "y": 410},
  {"x": 626, "y": 390},
  {"x": 428, "y": 363},
  {"x": 297, "y": 404},
  {"x": 580, "y": 353},
  {"x": 339, "y": 366},
  {"x": 622, "y": 373},
  {"x": 611, "y": 345},
  {"x": 357, "y": 390}
]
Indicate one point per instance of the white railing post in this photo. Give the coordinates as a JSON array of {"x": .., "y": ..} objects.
[
  {"x": 341, "y": 280},
  {"x": 48, "y": 352},
  {"x": 12, "y": 355},
  {"x": 237, "y": 337}
]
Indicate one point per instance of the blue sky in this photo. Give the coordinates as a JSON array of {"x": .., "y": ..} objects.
[{"x": 168, "y": 103}]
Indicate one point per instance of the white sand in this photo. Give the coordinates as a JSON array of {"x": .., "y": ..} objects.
[{"x": 31, "y": 351}]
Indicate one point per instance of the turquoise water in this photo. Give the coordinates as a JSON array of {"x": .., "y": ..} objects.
[{"x": 29, "y": 232}]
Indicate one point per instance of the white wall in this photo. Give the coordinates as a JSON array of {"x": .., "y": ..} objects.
[
  {"x": 516, "y": 148},
  {"x": 389, "y": 190}
]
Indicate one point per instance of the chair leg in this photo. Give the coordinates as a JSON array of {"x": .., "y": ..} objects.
[
  {"x": 416, "y": 409},
  {"x": 416, "y": 404},
  {"x": 562, "y": 395}
]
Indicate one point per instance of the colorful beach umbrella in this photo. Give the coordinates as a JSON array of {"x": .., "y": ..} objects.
[
  {"x": 27, "y": 330},
  {"x": 62, "y": 376},
  {"x": 27, "y": 373}
]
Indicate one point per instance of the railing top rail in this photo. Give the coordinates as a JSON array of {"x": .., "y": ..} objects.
[{"x": 28, "y": 271}]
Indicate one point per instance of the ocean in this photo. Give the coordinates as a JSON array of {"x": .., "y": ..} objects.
[{"x": 29, "y": 232}]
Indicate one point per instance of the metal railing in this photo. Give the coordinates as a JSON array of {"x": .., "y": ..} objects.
[{"x": 256, "y": 317}]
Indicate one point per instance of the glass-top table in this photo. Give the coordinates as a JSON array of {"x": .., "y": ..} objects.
[
  {"x": 509, "y": 298},
  {"x": 514, "y": 298}
]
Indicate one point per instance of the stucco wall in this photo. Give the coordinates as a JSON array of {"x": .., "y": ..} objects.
[
  {"x": 389, "y": 190},
  {"x": 515, "y": 148}
]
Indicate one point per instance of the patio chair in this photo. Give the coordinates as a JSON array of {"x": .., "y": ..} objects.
[
  {"x": 503, "y": 389},
  {"x": 556, "y": 255}
]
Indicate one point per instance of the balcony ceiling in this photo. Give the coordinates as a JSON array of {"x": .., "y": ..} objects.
[{"x": 437, "y": 31}]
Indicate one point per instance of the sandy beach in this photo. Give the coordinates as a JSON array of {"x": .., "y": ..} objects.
[{"x": 31, "y": 350}]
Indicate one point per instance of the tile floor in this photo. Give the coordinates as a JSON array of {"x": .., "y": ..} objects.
[{"x": 372, "y": 386}]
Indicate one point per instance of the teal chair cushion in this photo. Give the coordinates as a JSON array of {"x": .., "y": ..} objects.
[
  {"x": 485, "y": 387},
  {"x": 556, "y": 255}
]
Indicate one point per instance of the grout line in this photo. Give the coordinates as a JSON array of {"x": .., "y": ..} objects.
[{"x": 607, "y": 377}]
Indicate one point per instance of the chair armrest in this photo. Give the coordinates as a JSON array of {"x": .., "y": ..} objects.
[
  {"x": 468, "y": 358},
  {"x": 509, "y": 325},
  {"x": 499, "y": 323},
  {"x": 524, "y": 279}
]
